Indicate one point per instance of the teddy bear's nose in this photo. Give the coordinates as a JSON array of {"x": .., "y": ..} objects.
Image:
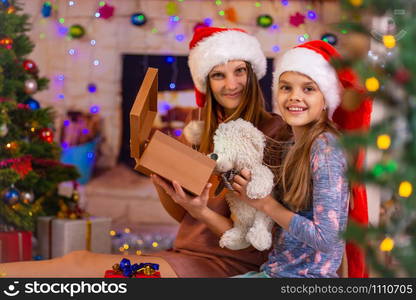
[{"x": 214, "y": 156}]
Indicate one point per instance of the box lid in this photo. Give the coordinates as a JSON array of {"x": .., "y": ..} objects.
[{"x": 143, "y": 113}]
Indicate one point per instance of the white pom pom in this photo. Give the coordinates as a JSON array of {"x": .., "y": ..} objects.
[{"x": 193, "y": 132}]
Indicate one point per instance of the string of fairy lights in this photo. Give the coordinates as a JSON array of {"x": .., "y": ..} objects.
[{"x": 225, "y": 12}]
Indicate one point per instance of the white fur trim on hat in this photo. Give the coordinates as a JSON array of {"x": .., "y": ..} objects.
[
  {"x": 315, "y": 66},
  {"x": 220, "y": 48}
]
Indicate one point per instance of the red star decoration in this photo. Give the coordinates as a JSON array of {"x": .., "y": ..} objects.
[
  {"x": 22, "y": 167},
  {"x": 106, "y": 11},
  {"x": 297, "y": 19}
]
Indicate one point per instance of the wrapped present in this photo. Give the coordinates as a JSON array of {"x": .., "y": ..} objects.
[
  {"x": 126, "y": 270},
  {"x": 58, "y": 237},
  {"x": 15, "y": 246}
]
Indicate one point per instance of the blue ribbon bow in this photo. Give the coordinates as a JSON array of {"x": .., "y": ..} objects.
[{"x": 129, "y": 270}]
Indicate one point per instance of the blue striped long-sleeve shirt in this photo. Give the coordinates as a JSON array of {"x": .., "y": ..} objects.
[{"x": 312, "y": 246}]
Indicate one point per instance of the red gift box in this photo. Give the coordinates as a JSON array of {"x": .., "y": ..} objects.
[
  {"x": 15, "y": 246},
  {"x": 114, "y": 274}
]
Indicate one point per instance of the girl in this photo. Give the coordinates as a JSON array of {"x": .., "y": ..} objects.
[
  {"x": 225, "y": 65},
  {"x": 311, "y": 210}
]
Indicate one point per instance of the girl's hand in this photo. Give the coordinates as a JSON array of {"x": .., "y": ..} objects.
[
  {"x": 196, "y": 206},
  {"x": 240, "y": 189},
  {"x": 240, "y": 183}
]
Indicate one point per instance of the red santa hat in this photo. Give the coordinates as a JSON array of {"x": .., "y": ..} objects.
[
  {"x": 213, "y": 46},
  {"x": 313, "y": 59}
]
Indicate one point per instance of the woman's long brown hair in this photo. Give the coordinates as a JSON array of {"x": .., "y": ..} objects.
[
  {"x": 295, "y": 174},
  {"x": 250, "y": 109}
]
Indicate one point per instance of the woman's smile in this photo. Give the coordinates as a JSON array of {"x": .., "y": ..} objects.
[{"x": 235, "y": 95}]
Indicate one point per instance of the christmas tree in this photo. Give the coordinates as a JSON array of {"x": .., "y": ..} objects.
[
  {"x": 30, "y": 170},
  {"x": 387, "y": 75}
]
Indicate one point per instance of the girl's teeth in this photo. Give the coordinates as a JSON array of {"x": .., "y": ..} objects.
[{"x": 295, "y": 109}]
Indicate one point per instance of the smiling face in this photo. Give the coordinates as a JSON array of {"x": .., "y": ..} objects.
[
  {"x": 300, "y": 100},
  {"x": 227, "y": 83}
]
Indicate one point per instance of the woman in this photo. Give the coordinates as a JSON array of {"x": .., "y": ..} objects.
[{"x": 225, "y": 65}]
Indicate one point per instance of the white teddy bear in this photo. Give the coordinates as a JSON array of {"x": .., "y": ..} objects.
[{"x": 237, "y": 145}]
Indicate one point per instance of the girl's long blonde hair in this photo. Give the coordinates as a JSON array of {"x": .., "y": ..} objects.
[
  {"x": 295, "y": 176},
  {"x": 250, "y": 109}
]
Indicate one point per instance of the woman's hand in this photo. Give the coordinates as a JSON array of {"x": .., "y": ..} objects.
[
  {"x": 239, "y": 185},
  {"x": 196, "y": 206}
]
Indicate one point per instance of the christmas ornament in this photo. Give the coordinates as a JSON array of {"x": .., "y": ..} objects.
[
  {"x": 330, "y": 38},
  {"x": 30, "y": 66},
  {"x": 264, "y": 21},
  {"x": 6, "y": 43},
  {"x": 383, "y": 141},
  {"x": 23, "y": 106},
  {"x": 106, "y": 11},
  {"x": 92, "y": 88},
  {"x": 75, "y": 193},
  {"x": 4, "y": 4},
  {"x": 231, "y": 15},
  {"x": 402, "y": 76},
  {"x": 31, "y": 86},
  {"x": 381, "y": 169},
  {"x": 138, "y": 19},
  {"x": 171, "y": 8},
  {"x": 76, "y": 31},
  {"x": 389, "y": 41},
  {"x": 391, "y": 166},
  {"x": 297, "y": 19},
  {"x": 71, "y": 210},
  {"x": 3, "y": 130},
  {"x": 46, "y": 9},
  {"x": 356, "y": 3},
  {"x": 32, "y": 104},
  {"x": 200, "y": 25},
  {"x": 11, "y": 146},
  {"x": 372, "y": 84},
  {"x": 46, "y": 135},
  {"x": 311, "y": 15},
  {"x": 27, "y": 197},
  {"x": 63, "y": 210},
  {"x": 405, "y": 189},
  {"x": 387, "y": 244},
  {"x": 11, "y": 195}
]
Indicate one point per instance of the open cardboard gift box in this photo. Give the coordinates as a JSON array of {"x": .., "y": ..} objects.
[{"x": 161, "y": 154}]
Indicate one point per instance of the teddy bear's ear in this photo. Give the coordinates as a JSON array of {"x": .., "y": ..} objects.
[
  {"x": 249, "y": 131},
  {"x": 193, "y": 132}
]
